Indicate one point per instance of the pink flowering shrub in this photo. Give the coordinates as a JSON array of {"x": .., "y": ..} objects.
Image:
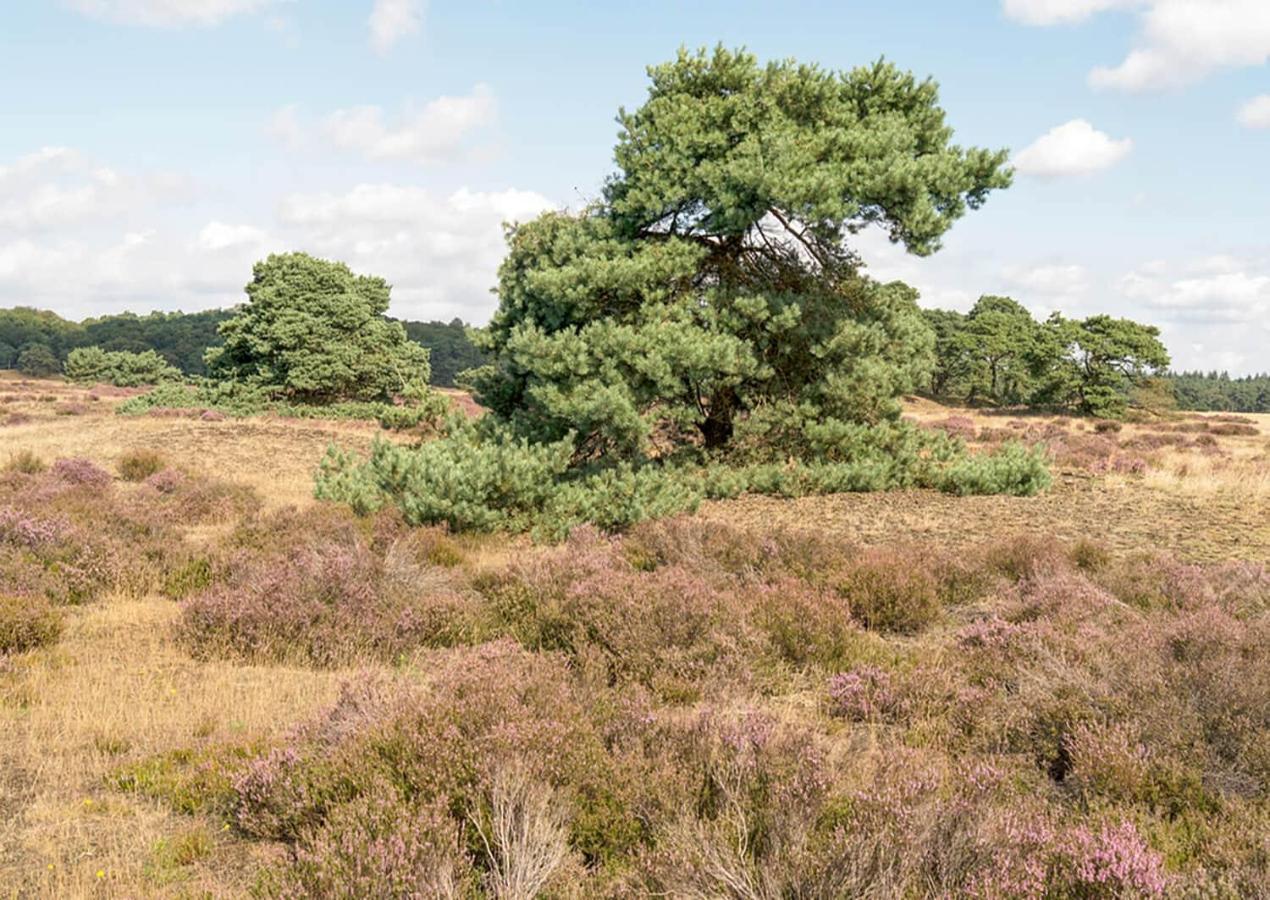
[
  {"x": 956, "y": 426},
  {"x": 667, "y": 629},
  {"x": 432, "y": 756},
  {"x": 325, "y": 603},
  {"x": 377, "y": 845},
  {"x": 863, "y": 694},
  {"x": 80, "y": 471},
  {"x": 166, "y": 481},
  {"x": 888, "y": 590}
]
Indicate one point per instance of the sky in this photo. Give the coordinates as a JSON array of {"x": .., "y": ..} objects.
[{"x": 151, "y": 150}]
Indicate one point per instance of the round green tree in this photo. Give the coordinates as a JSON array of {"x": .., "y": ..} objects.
[
  {"x": 315, "y": 332},
  {"x": 38, "y": 361},
  {"x": 711, "y": 297}
]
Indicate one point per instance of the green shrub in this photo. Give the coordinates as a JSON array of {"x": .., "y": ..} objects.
[
  {"x": 1011, "y": 469},
  {"x": 241, "y": 400},
  {"x": 122, "y": 368},
  {"x": 27, "y": 623},
  {"x": 467, "y": 484},
  {"x": 138, "y": 465}
]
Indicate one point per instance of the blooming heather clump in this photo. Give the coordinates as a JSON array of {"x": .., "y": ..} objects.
[
  {"x": 77, "y": 470},
  {"x": 957, "y": 426},
  {"x": 166, "y": 481},
  {"x": 324, "y": 604},
  {"x": 862, "y": 694},
  {"x": 1065, "y": 595},
  {"x": 429, "y": 752},
  {"x": 992, "y": 634},
  {"x": 377, "y": 845},
  {"x": 1111, "y": 862},
  {"x": 24, "y": 530}
]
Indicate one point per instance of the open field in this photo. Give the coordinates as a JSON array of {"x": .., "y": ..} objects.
[{"x": 1041, "y": 644}]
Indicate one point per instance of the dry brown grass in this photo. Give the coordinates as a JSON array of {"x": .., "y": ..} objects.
[
  {"x": 275, "y": 457},
  {"x": 117, "y": 689}
]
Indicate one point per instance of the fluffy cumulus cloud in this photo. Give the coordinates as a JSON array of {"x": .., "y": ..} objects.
[
  {"x": 168, "y": 13},
  {"x": 84, "y": 238},
  {"x": 443, "y": 129},
  {"x": 440, "y": 252},
  {"x": 1256, "y": 112},
  {"x": 392, "y": 20},
  {"x": 1214, "y": 312},
  {"x": 1073, "y": 148},
  {"x": 1180, "y": 41},
  {"x": 59, "y": 188}
]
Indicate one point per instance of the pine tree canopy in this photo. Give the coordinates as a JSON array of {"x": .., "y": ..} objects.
[{"x": 711, "y": 296}]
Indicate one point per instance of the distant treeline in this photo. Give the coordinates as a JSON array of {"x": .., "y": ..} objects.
[
  {"x": 1218, "y": 391},
  {"x": 42, "y": 339},
  {"x": 997, "y": 354}
]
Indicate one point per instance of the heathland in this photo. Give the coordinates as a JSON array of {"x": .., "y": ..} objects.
[{"x": 226, "y": 686}]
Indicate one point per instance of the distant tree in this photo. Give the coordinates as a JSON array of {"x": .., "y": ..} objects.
[
  {"x": 998, "y": 341},
  {"x": 22, "y": 326},
  {"x": 450, "y": 347},
  {"x": 314, "y": 331},
  {"x": 92, "y": 365},
  {"x": 8, "y": 355},
  {"x": 712, "y": 290},
  {"x": 180, "y": 338},
  {"x": 951, "y": 370},
  {"x": 38, "y": 361},
  {"x": 1219, "y": 391},
  {"x": 1102, "y": 361}
]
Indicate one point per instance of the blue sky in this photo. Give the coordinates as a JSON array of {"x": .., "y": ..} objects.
[{"x": 151, "y": 149}]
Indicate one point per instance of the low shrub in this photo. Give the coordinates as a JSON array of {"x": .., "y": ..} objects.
[
  {"x": 80, "y": 471},
  {"x": 27, "y": 623},
  {"x": 120, "y": 368},
  {"x": 25, "y": 462},
  {"x": 862, "y": 694},
  {"x": 138, "y": 465},
  {"x": 435, "y": 757},
  {"x": 210, "y": 400},
  {"x": 324, "y": 602},
  {"x": 1228, "y": 429},
  {"x": 957, "y": 426},
  {"x": 889, "y": 590},
  {"x": 1011, "y": 469}
]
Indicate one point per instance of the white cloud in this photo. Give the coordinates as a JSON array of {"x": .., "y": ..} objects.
[
  {"x": 57, "y": 187},
  {"x": 1074, "y": 148},
  {"x": 217, "y": 236},
  {"x": 1060, "y": 12},
  {"x": 392, "y": 20},
  {"x": 104, "y": 240},
  {"x": 1048, "y": 279},
  {"x": 1212, "y": 290},
  {"x": 441, "y": 130},
  {"x": 1256, "y": 112},
  {"x": 1180, "y": 42},
  {"x": 440, "y": 253},
  {"x": 167, "y": 13}
]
